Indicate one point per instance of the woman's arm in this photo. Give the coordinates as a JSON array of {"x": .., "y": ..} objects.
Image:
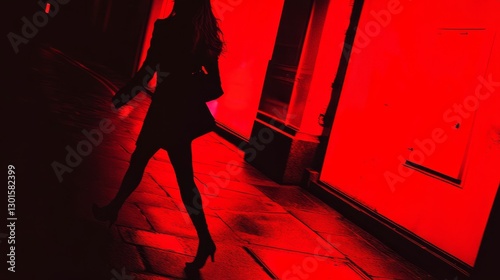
[
  {"x": 212, "y": 68},
  {"x": 141, "y": 78},
  {"x": 211, "y": 86}
]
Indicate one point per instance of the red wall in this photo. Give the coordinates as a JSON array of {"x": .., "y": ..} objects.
[
  {"x": 159, "y": 9},
  {"x": 416, "y": 90},
  {"x": 250, "y": 29},
  {"x": 318, "y": 65}
]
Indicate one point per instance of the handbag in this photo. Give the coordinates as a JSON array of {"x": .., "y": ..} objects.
[{"x": 208, "y": 85}]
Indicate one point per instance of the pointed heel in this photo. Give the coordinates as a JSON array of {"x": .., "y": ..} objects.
[
  {"x": 105, "y": 214},
  {"x": 202, "y": 256}
]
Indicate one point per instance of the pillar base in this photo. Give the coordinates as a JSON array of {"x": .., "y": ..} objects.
[{"x": 279, "y": 155}]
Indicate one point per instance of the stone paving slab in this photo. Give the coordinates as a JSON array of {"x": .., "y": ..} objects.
[
  {"x": 142, "y": 199},
  {"x": 231, "y": 262},
  {"x": 371, "y": 260},
  {"x": 156, "y": 240},
  {"x": 222, "y": 200},
  {"x": 293, "y": 265},
  {"x": 163, "y": 166},
  {"x": 150, "y": 186},
  {"x": 110, "y": 150},
  {"x": 126, "y": 255},
  {"x": 293, "y": 197},
  {"x": 220, "y": 179},
  {"x": 162, "y": 156},
  {"x": 162, "y": 175},
  {"x": 277, "y": 230},
  {"x": 388, "y": 268},
  {"x": 353, "y": 246},
  {"x": 165, "y": 263},
  {"x": 175, "y": 197},
  {"x": 235, "y": 201},
  {"x": 254, "y": 177},
  {"x": 326, "y": 223},
  {"x": 237, "y": 187},
  {"x": 131, "y": 215},
  {"x": 178, "y": 223}
]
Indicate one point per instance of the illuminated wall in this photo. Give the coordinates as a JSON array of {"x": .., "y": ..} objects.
[
  {"x": 250, "y": 29},
  {"x": 159, "y": 9},
  {"x": 416, "y": 137},
  {"x": 318, "y": 66}
]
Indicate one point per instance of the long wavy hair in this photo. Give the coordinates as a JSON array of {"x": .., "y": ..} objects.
[{"x": 207, "y": 37}]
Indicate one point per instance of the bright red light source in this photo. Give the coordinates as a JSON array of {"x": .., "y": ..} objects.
[{"x": 47, "y": 8}]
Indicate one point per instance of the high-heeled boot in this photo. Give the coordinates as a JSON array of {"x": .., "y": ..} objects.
[
  {"x": 205, "y": 249},
  {"x": 107, "y": 213}
]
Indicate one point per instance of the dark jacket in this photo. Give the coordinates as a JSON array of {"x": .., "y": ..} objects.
[{"x": 176, "y": 112}]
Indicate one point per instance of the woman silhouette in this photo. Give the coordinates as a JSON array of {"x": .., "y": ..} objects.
[{"x": 182, "y": 44}]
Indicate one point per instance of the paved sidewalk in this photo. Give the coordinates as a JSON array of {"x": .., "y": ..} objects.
[{"x": 263, "y": 230}]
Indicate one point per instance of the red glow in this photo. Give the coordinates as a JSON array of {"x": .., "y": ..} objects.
[
  {"x": 406, "y": 79},
  {"x": 321, "y": 65},
  {"x": 47, "y": 8},
  {"x": 159, "y": 9},
  {"x": 243, "y": 67}
]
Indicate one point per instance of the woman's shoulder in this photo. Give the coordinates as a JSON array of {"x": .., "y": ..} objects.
[
  {"x": 163, "y": 22},
  {"x": 170, "y": 22},
  {"x": 163, "y": 26}
]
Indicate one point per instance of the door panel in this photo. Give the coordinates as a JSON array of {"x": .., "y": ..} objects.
[
  {"x": 446, "y": 101},
  {"x": 401, "y": 83}
]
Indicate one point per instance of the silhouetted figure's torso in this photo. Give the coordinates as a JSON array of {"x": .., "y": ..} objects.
[{"x": 176, "y": 113}]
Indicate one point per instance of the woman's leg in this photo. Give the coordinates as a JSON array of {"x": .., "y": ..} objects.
[
  {"x": 181, "y": 158},
  {"x": 138, "y": 162}
]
